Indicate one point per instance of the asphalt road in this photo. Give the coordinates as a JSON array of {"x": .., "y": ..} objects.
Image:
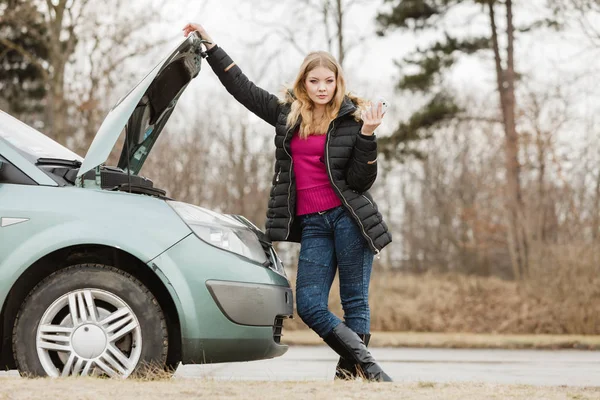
[{"x": 532, "y": 367}]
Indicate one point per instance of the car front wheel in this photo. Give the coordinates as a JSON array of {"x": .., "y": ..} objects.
[{"x": 89, "y": 320}]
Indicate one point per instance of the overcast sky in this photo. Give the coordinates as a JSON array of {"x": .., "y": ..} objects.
[{"x": 546, "y": 57}]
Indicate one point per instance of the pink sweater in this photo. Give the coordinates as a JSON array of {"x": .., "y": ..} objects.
[{"x": 314, "y": 192}]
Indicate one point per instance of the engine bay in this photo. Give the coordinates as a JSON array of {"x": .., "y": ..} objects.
[{"x": 111, "y": 178}]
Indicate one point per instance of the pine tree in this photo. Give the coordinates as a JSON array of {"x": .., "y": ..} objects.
[
  {"x": 433, "y": 62},
  {"x": 22, "y": 83}
]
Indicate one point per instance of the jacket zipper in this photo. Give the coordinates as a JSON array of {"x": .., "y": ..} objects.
[
  {"x": 289, "y": 228},
  {"x": 362, "y": 228}
]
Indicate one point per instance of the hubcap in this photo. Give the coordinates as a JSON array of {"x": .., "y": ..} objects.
[
  {"x": 89, "y": 332},
  {"x": 89, "y": 341}
]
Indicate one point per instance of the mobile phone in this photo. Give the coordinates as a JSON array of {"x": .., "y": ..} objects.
[{"x": 384, "y": 104}]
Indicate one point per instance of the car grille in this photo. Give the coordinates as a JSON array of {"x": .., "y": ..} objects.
[{"x": 278, "y": 329}]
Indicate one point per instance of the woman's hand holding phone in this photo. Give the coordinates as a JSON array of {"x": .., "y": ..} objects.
[{"x": 373, "y": 116}]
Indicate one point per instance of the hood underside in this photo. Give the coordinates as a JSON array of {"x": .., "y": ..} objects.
[{"x": 145, "y": 110}]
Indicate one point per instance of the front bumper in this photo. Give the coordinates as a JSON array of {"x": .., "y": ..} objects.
[
  {"x": 229, "y": 309},
  {"x": 246, "y": 304}
]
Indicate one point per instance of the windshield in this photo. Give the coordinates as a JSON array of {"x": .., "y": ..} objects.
[{"x": 31, "y": 143}]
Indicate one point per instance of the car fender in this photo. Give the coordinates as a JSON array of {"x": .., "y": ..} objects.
[{"x": 59, "y": 237}]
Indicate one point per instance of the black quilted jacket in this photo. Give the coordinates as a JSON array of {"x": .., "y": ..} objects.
[{"x": 347, "y": 156}]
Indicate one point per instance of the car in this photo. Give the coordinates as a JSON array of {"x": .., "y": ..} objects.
[{"x": 102, "y": 274}]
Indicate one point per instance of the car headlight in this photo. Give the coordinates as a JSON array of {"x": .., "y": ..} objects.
[
  {"x": 276, "y": 264},
  {"x": 221, "y": 230}
]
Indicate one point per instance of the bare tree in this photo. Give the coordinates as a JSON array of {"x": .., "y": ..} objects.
[
  {"x": 584, "y": 13},
  {"x": 505, "y": 77},
  {"x": 214, "y": 159},
  {"x": 330, "y": 30},
  {"x": 106, "y": 50},
  {"x": 103, "y": 34},
  {"x": 182, "y": 163}
]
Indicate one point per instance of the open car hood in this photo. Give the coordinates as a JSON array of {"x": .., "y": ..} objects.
[{"x": 144, "y": 111}]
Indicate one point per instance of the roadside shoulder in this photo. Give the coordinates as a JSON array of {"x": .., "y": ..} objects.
[{"x": 458, "y": 340}]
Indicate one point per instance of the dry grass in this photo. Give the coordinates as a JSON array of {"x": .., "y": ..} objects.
[
  {"x": 456, "y": 303},
  {"x": 307, "y": 337},
  {"x": 97, "y": 389}
]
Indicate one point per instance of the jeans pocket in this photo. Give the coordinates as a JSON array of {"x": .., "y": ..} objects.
[{"x": 305, "y": 220}]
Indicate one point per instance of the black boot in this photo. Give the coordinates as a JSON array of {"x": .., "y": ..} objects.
[
  {"x": 346, "y": 369},
  {"x": 348, "y": 345}
]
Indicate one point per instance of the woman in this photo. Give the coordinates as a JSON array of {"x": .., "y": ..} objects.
[{"x": 325, "y": 162}]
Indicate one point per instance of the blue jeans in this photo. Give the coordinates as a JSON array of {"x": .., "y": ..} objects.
[{"x": 332, "y": 240}]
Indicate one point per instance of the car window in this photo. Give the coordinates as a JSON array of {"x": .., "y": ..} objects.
[
  {"x": 31, "y": 143},
  {"x": 11, "y": 174}
]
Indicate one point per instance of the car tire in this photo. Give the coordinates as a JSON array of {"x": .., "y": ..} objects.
[{"x": 90, "y": 319}]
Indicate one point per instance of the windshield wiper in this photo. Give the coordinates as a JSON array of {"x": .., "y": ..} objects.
[{"x": 58, "y": 161}]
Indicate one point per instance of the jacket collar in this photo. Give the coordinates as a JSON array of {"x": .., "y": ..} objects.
[{"x": 347, "y": 107}]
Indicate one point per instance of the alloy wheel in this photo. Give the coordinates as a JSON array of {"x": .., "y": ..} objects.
[{"x": 89, "y": 332}]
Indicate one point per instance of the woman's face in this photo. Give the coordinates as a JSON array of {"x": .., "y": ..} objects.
[{"x": 320, "y": 84}]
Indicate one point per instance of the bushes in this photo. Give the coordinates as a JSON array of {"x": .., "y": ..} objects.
[{"x": 562, "y": 296}]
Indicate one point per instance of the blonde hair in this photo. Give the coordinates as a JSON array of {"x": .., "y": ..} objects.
[{"x": 303, "y": 106}]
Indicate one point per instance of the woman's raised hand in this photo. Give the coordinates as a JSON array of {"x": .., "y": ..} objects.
[
  {"x": 189, "y": 28},
  {"x": 372, "y": 118}
]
